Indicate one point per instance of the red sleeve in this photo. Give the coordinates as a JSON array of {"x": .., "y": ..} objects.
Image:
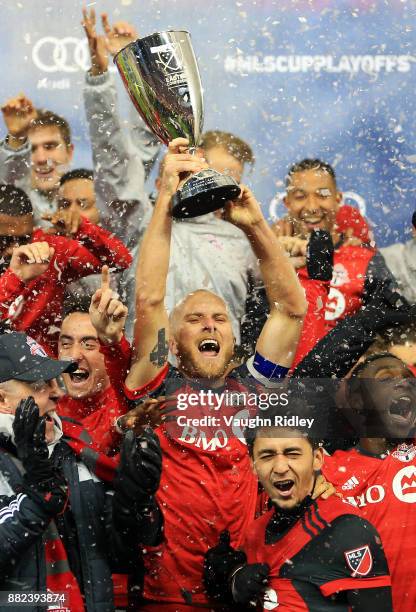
[
  {"x": 117, "y": 359},
  {"x": 313, "y": 329},
  {"x": 349, "y": 218},
  {"x": 72, "y": 260},
  {"x": 105, "y": 246},
  {"x": 150, "y": 387},
  {"x": 10, "y": 288}
]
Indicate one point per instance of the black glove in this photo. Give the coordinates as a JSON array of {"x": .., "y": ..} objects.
[
  {"x": 138, "y": 475},
  {"x": 249, "y": 582},
  {"x": 42, "y": 481},
  {"x": 320, "y": 256},
  {"x": 219, "y": 563}
]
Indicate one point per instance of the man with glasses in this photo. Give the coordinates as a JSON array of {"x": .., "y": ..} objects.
[{"x": 37, "y": 266}]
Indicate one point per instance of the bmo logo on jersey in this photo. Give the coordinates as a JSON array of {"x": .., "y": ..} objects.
[
  {"x": 404, "y": 484},
  {"x": 211, "y": 433},
  {"x": 211, "y": 441}
]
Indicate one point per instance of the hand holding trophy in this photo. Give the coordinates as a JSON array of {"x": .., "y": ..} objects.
[{"x": 161, "y": 75}]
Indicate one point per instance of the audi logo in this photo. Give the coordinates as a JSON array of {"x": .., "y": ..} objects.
[{"x": 68, "y": 54}]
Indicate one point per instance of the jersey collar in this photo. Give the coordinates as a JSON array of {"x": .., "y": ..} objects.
[{"x": 281, "y": 520}]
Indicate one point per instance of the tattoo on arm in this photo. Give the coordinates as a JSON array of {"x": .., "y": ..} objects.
[{"x": 160, "y": 351}]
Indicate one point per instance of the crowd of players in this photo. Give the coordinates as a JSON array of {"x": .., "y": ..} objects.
[{"x": 110, "y": 491}]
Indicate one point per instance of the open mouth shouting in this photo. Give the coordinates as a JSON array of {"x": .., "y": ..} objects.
[
  {"x": 402, "y": 410},
  {"x": 79, "y": 377},
  {"x": 209, "y": 347},
  {"x": 284, "y": 488}
]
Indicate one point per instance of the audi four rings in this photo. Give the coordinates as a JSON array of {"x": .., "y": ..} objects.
[{"x": 68, "y": 54}]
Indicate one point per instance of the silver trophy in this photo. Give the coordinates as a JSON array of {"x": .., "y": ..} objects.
[{"x": 161, "y": 74}]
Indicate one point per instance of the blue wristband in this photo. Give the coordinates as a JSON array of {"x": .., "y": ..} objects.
[{"x": 264, "y": 370}]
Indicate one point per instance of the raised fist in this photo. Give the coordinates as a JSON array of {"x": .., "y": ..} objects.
[{"x": 18, "y": 113}]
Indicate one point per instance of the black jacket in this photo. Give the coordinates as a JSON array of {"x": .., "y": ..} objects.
[{"x": 94, "y": 544}]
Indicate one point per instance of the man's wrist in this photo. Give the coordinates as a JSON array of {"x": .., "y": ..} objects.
[
  {"x": 18, "y": 274},
  {"x": 97, "y": 70},
  {"x": 96, "y": 80},
  {"x": 164, "y": 198},
  {"x": 258, "y": 227},
  {"x": 110, "y": 340}
]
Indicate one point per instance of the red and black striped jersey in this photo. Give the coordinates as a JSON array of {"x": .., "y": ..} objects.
[{"x": 328, "y": 551}]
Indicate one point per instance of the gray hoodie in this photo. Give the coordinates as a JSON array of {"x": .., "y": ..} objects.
[
  {"x": 401, "y": 260},
  {"x": 206, "y": 252}
]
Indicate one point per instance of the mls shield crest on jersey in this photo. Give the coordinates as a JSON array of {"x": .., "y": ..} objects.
[{"x": 359, "y": 560}]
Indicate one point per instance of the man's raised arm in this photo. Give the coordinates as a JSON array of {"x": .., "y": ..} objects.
[
  {"x": 151, "y": 331},
  {"x": 280, "y": 334}
]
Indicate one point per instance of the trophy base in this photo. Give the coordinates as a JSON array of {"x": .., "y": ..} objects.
[{"x": 203, "y": 193}]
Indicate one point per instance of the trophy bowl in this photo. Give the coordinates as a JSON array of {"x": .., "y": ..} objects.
[{"x": 161, "y": 75}]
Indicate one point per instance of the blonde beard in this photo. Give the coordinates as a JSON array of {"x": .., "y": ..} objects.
[{"x": 195, "y": 369}]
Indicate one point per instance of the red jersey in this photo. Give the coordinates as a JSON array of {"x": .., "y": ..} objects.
[
  {"x": 207, "y": 485},
  {"x": 384, "y": 490},
  {"x": 327, "y": 551},
  {"x": 98, "y": 413},
  {"x": 314, "y": 324},
  {"x": 347, "y": 284},
  {"x": 36, "y": 307}
]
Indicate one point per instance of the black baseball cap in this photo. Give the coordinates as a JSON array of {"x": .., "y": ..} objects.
[{"x": 22, "y": 358}]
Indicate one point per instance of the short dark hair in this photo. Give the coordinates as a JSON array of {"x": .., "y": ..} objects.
[
  {"x": 310, "y": 164},
  {"x": 76, "y": 302},
  {"x": 78, "y": 173},
  {"x": 297, "y": 407},
  {"x": 251, "y": 434},
  {"x": 234, "y": 145},
  {"x": 47, "y": 118},
  {"x": 370, "y": 359},
  {"x": 14, "y": 201}
]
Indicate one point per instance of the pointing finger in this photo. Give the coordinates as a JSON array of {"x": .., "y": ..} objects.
[{"x": 105, "y": 278}]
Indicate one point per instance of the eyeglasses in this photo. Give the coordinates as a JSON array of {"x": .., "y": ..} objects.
[{"x": 7, "y": 241}]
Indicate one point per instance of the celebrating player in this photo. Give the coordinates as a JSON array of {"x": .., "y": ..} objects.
[
  {"x": 207, "y": 484},
  {"x": 379, "y": 474},
  {"x": 303, "y": 554}
]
